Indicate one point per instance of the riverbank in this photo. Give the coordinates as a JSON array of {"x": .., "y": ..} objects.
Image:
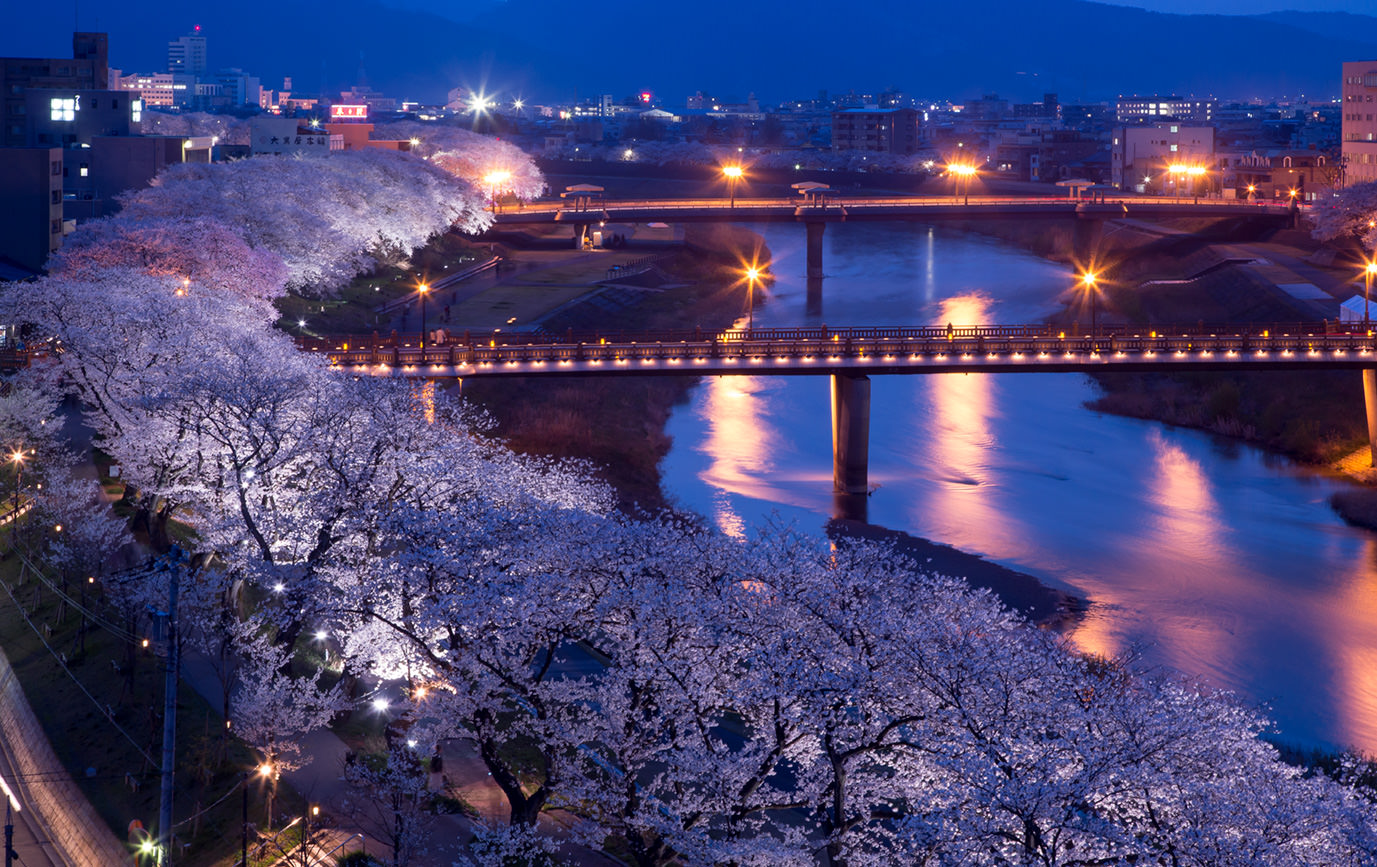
[
  {"x": 619, "y": 424},
  {"x": 1225, "y": 271}
]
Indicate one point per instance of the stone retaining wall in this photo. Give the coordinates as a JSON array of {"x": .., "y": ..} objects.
[{"x": 77, "y": 831}]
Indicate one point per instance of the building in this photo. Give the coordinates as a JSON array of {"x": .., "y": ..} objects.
[
  {"x": 285, "y": 136},
  {"x": 1147, "y": 109},
  {"x": 1165, "y": 158},
  {"x": 87, "y": 69},
  {"x": 71, "y": 118},
  {"x": 880, "y": 130},
  {"x": 160, "y": 90},
  {"x": 1309, "y": 174},
  {"x": 1359, "y": 124},
  {"x": 31, "y": 225},
  {"x": 187, "y": 55}
]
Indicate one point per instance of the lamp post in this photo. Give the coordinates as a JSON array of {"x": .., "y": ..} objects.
[
  {"x": 423, "y": 289},
  {"x": 963, "y": 173},
  {"x": 752, "y": 275},
  {"x": 1088, "y": 283},
  {"x": 17, "y": 456},
  {"x": 733, "y": 174},
  {"x": 1368, "y": 273},
  {"x": 494, "y": 180},
  {"x": 11, "y": 807}
]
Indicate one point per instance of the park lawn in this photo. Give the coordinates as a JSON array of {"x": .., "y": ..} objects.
[
  {"x": 510, "y": 306},
  {"x": 120, "y": 782},
  {"x": 352, "y": 310}
]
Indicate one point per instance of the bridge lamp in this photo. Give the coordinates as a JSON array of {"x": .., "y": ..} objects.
[
  {"x": 423, "y": 290},
  {"x": 733, "y": 174}
]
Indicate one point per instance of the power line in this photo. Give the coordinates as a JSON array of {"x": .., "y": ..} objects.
[{"x": 102, "y": 707}]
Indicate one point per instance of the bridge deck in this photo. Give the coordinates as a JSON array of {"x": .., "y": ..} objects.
[
  {"x": 802, "y": 351},
  {"x": 879, "y": 208}
]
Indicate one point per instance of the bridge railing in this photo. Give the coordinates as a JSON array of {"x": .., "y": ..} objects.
[
  {"x": 822, "y": 344},
  {"x": 839, "y": 200}
]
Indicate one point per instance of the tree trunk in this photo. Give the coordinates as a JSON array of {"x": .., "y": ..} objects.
[{"x": 525, "y": 809}]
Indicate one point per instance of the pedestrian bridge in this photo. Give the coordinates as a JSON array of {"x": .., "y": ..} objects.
[
  {"x": 851, "y": 355},
  {"x": 815, "y": 210}
]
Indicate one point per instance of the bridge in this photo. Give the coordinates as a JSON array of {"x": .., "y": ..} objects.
[
  {"x": 815, "y": 210},
  {"x": 851, "y": 355}
]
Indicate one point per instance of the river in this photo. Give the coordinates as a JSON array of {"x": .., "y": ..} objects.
[{"x": 1197, "y": 554}]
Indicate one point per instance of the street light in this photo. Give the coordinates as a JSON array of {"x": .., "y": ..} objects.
[
  {"x": 1368, "y": 273},
  {"x": 494, "y": 180},
  {"x": 423, "y": 289},
  {"x": 963, "y": 172},
  {"x": 752, "y": 275},
  {"x": 733, "y": 174},
  {"x": 17, "y": 456},
  {"x": 1089, "y": 284}
]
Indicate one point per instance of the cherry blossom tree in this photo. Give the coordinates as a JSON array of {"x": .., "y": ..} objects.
[
  {"x": 1352, "y": 211},
  {"x": 489, "y": 164}
]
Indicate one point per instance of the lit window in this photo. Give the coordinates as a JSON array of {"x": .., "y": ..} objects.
[
  {"x": 1175, "y": 128},
  {"x": 64, "y": 109},
  {"x": 85, "y": 170},
  {"x": 136, "y": 110},
  {"x": 1173, "y": 148}
]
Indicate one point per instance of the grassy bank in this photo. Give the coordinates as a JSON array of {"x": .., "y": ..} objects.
[
  {"x": 619, "y": 424},
  {"x": 90, "y": 702}
]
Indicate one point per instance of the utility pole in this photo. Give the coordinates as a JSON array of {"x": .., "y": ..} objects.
[
  {"x": 11, "y": 807},
  {"x": 169, "y": 714}
]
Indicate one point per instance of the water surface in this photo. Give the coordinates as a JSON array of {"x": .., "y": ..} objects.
[{"x": 1199, "y": 554}]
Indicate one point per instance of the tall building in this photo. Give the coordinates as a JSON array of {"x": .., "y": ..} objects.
[
  {"x": 1146, "y": 109},
  {"x": 187, "y": 55},
  {"x": 30, "y": 206},
  {"x": 1165, "y": 158},
  {"x": 1360, "y": 122},
  {"x": 87, "y": 69}
]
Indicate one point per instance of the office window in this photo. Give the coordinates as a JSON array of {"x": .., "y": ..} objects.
[
  {"x": 1174, "y": 148},
  {"x": 63, "y": 109},
  {"x": 85, "y": 170}
]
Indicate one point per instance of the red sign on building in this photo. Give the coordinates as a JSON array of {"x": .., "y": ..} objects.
[{"x": 348, "y": 112}]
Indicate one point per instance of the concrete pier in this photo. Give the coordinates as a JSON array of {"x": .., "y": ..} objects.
[
  {"x": 815, "y": 228},
  {"x": 580, "y": 235},
  {"x": 850, "y": 433},
  {"x": 813, "y": 299}
]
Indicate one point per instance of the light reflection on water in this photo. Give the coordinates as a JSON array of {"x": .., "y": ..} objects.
[{"x": 1198, "y": 555}]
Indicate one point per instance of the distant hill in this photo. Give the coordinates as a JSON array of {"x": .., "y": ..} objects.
[{"x": 544, "y": 49}]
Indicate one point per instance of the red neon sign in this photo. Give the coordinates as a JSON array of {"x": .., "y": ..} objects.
[{"x": 348, "y": 112}]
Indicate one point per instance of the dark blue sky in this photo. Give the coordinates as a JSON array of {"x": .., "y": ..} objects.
[{"x": 554, "y": 50}]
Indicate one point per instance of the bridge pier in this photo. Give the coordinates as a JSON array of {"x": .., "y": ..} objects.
[
  {"x": 850, "y": 433},
  {"x": 580, "y": 235},
  {"x": 814, "y": 228},
  {"x": 1370, "y": 402},
  {"x": 813, "y": 302}
]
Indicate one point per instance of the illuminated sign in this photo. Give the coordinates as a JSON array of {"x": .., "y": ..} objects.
[
  {"x": 348, "y": 112},
  {"x": 646, "y": 96}
]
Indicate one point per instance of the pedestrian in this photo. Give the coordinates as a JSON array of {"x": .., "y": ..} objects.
[
  {"x": 949, "y": 331},
  {"x": 446, "y": 313}
]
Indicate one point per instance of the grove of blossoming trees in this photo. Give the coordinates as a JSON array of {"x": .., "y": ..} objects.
[
  {"x": 1353, "y": 211},
  {"x": 687, "y": 697}
]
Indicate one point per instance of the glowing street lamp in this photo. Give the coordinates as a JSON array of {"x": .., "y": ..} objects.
[
  {"x": 733, "y": 174},
  {"x": 963, "y": 172},
  {"x": 1368, "y": 273},
  {"x": 17, "y": 456},
  {"x": 752, "y": 277},
  {"x": 1089, "y": 283},
  {"x": 422, "y": 290},
  {"x": 494, "y": 180}
]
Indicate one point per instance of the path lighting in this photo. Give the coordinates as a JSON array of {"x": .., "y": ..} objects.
[
  {"x": 963, "y": 172},
  {"x": 17, "y": 457},
  {"x": 423, "y": 290},
  {"x": 733, "y": 174}
]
